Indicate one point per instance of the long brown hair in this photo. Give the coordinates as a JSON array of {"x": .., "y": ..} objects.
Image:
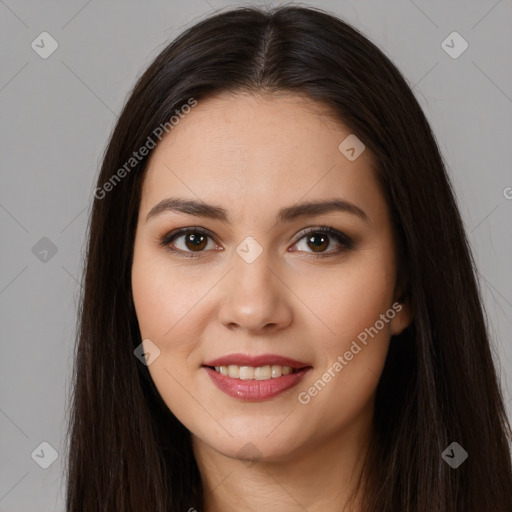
[{"x": 126, "y": 449}]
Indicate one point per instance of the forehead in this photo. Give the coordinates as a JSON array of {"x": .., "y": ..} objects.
[{"x": 258, "y": 153}]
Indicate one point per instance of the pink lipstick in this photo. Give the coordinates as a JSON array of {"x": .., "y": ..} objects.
[{"x": 255, "y": 378}]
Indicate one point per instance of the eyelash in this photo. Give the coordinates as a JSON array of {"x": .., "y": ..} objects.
[{"x": 345, "y": 241}]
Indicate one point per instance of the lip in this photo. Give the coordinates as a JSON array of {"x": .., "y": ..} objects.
[
  {"x": 256, "y": 361},
  {"x": 256, "y": 390},
  {"x": 253, "y": 390}
]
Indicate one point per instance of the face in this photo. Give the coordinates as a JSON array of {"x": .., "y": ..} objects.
[{"x": 299, "y": 318}]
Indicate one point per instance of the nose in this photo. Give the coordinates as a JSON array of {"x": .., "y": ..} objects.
[{"x": 255, "y": 298}]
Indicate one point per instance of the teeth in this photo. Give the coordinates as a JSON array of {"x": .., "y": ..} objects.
[
  {"x": 277, "y": 371},
  {"x": 252, "y": 373},
  {"x": 263, "y": 373},
  {"x": 234, "y": 371}
]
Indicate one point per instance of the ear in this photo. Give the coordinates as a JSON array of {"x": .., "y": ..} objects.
[{"x": 403, "y": 314}]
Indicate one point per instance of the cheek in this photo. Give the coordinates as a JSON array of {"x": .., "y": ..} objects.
[
  {"x": 355, "y": 341},
  {"x": 349, "y": 299},
  {"x": 163, "y": 297},
  {"x": 168, "y": 309}
]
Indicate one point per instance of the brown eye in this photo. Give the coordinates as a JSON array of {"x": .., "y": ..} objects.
[
  {"x": 319, "y": 239},
  {"x": 195, "y": 241},
  {"x": 187, "y": 241},
  {"x": 318, "y": 242}
]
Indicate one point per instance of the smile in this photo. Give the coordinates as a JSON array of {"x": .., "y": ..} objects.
[{"x": 255, "y": 378}]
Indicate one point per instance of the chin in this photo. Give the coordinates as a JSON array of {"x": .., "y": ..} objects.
[{"x": 253, "y": 446}]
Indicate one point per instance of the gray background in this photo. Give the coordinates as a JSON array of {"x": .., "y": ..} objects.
[{"x": 58, "y": 112}]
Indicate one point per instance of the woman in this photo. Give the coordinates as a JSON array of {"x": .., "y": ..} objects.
[{"x": 279, "y": 305}]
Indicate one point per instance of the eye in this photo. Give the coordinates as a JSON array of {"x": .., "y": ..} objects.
[
  {"x": 195, "y": 240},
  {"x": 319, "y": 239}
]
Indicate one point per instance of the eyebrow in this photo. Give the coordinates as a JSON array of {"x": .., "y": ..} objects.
[{"x": 199, "y": 208}]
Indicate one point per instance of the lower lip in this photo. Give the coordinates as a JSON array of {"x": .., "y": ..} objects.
[{"x": 252, "y": 390}]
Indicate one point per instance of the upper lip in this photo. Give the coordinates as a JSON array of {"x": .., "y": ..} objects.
[{"x": 256, "y": 361}]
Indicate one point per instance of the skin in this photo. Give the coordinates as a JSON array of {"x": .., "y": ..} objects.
[{"x": 253, "y": 155}]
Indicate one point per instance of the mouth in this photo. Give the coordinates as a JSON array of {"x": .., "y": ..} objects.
[
  {"x": 254, "y": 373},
  {"x": 255, "y": 378}
]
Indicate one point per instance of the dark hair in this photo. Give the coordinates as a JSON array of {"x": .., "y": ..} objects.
[{"x": 127, "y": 451}]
